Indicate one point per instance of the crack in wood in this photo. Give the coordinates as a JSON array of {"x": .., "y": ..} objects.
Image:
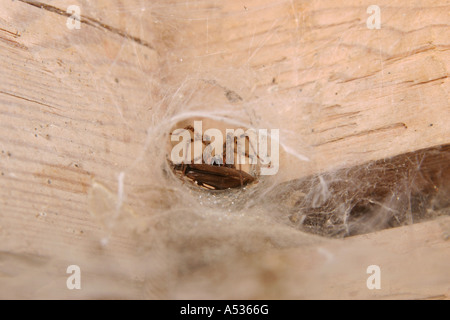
[
  {"x": 13, "y": 34},
  {"x": 29, "y": 100},
  {"x": 342, "y": 115},
  {"x": 323, "y": 26},
  {"x": 428, "y": 81},
  {"x": 353, "y": 124},
  {"x": 90, "y": 22},
  {"x": 366, "y": 132},
  {"x": 14, "y": 44},
  {"x": 405, "y": 54}
]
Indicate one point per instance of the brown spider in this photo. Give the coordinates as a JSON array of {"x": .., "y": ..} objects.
[{"x": 217, "y": 175}]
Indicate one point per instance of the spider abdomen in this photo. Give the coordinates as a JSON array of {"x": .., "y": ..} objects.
[{"x": 214, "y": 177}]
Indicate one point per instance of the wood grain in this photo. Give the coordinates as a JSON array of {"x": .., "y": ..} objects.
[{"x": 83, "y": 106}]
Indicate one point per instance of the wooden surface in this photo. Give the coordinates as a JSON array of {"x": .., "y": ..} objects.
[
  {"x": 83, "y": 109},
  {"x": 413, "y": 261},
  {"x": 410, "y": 258}
]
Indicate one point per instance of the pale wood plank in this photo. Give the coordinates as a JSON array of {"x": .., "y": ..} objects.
[{"x": 76, "y": 106}]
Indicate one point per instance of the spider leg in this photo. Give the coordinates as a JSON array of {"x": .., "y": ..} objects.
[
  {"x": 250, "y": 145},
  {"x": 240, "y": 174},
  {"x": 191, "y": 128}
]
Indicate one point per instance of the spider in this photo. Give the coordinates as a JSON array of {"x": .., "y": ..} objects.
[{"x": 217, "y": 175}]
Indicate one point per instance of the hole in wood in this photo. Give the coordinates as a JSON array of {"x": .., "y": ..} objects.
[
  {"x": 204, "y": 152},
  {"x": 402, "y": 190}
]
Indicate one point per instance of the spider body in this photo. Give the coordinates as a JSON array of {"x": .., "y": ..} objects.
[
  {"x": 214, "y": 177},
  {"x": 217, "y": 174}
]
